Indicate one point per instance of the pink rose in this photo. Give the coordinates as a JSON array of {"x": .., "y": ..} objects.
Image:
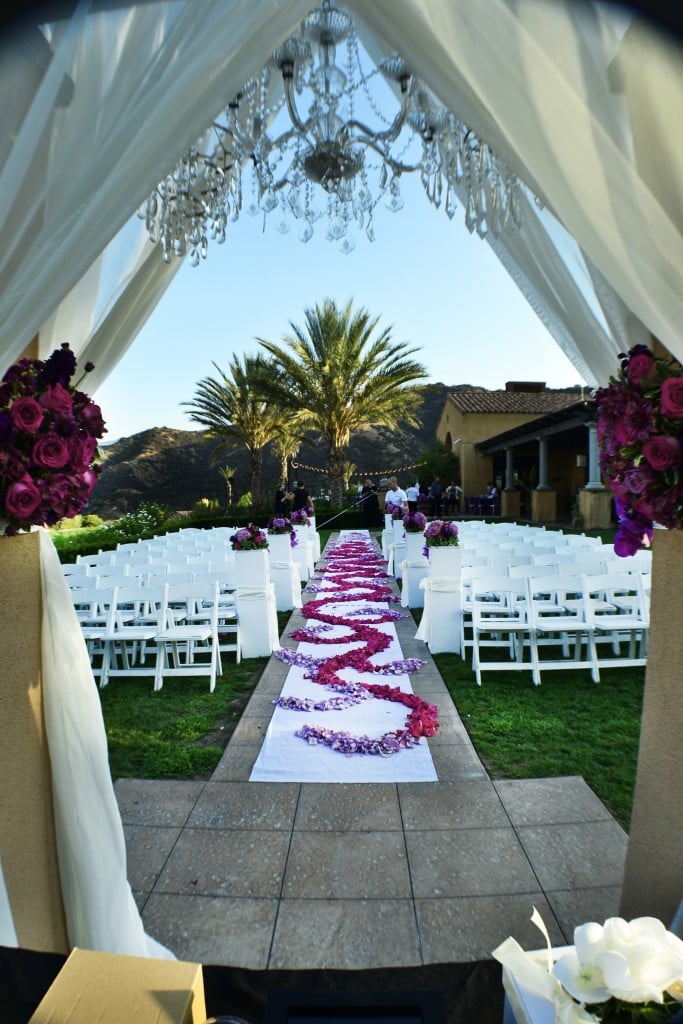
[
  {"x": 672, "y": 398},
  {"x": 22, "y": 498},
  {"x": 57, "y": 399},
  {"x": 641, "y": 367},
  {"x": 26, "y": 414},
  {"x": 662, "y": 451},
  {"x": 91, "y": 419},
  {"x": 89, "y": 479},
  {"x": 50, "y": 451}
]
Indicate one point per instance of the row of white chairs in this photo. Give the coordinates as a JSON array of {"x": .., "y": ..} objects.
[
  {"x": 160, "y": 629},
  {"x": 579, "y": 615}
]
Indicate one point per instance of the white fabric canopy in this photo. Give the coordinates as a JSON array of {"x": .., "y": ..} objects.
[{"x": 588, "y": 118}]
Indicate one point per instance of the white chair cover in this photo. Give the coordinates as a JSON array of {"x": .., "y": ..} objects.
[
  {"x": 257, "y": 616},
  {"x": 285, "y": 578},
  {"x": 412, "y": 574},
  {"x": 440, "y": 624}
]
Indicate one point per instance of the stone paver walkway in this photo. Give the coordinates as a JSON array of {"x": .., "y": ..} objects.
[{"x": 289, "y": 875}]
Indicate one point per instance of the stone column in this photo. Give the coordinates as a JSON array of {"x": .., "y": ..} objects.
[
  {"x": 510, "y": 499},
  {"x": 543, "y": 465},
  {"x": 594, "y": 480},
  {"x": 509, "y": 470}
]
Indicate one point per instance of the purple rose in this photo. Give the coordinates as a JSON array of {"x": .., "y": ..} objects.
[
  {"x": 89, "y": 479},
  {"x": 661, "y": 508},
  {"x": 82, "y": 451},
  {"x": 640, "y": 367},
  {"x": 22, "y": 498},
  {"x": 639, "y": 479},
  {"x": 26, "y": 414},
  {"x": 662, "y": 451},
  {"x": 50, "y": 452},
  {"x": 672, "y": 398},
  {"x": 56, "y": 399},
  {"x": 90, "y": 416}
]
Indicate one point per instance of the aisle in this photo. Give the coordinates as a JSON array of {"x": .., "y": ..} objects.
[{"x": 347, "y": 711}]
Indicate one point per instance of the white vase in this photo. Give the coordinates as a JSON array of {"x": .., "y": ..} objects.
[
  {"x": 445, "y": 562},
  {"x": 252, "y": 568},
  {"x": 388, "y": 523},
  {"x": 399, "y": 531},
  {"x": 415, "y": 543}
]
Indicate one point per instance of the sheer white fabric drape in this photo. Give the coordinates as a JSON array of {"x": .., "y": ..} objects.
[
  {"x": 589, "y": 120},
  {"x": 138, "y": 85}
]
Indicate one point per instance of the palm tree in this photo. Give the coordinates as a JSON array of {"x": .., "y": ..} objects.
[
  {"x": 233, "y": 411},
  {"x": 287, "y": 441},
  {"x": 334, "y": 379}
]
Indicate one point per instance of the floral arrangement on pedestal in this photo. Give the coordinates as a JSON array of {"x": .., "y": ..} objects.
[
  {"x": 48, "y": 442},
  {"x": 281, "y": 525},
  {"x": 395, "y": 511},
  {"x": 249, "y": 538},
  {"x": 440, "y": 533},
  {"x": 300, "y": 517},
  {"x": 621, "y": 972},
  {"x": 414, "y": 522},
  {"x": 640, "y": 434}
]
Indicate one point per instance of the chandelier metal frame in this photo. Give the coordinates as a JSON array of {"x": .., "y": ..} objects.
[{"x": 320, "y": 163}]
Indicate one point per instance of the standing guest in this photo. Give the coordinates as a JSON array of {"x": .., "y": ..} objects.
[
  {"x": 301, "y": 497},
  {"x": 435, "y": 497},
  {"x": 383, "y": 484},
  {"x": 396, "y": 495},
  {"x": 413, "y": 494},
  {"x": 453, "y": 497},
  {"x": 283, "y": 499},
  {"x": 370, "y": 501}
]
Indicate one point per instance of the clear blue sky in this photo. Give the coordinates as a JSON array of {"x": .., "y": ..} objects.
[{"x": 438, "y": 288}]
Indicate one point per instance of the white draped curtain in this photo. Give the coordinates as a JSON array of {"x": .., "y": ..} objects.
[{"x": 587, "y": 116}]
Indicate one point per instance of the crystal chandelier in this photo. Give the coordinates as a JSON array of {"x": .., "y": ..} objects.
[{"x": 267, "y": 155}]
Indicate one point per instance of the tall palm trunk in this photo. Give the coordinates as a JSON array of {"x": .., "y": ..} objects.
[
  {"x": 255, "y": 466},
  {"x": 336, "y": 470}
]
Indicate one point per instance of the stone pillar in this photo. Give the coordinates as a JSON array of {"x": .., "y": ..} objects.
[
  {"x": 510, "y": 504},
  {"x": 27, "y": 826},
  {"x": 653, "y": 875},
  {"x": 543, "y": 465},
  {"x": 595, "y": 507},
  {"x": 543, "y": 505},
  {"x": 594, "y": 480},
  {"x": 509, "y": 470}
]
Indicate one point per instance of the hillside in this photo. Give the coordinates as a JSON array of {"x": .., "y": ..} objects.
[{"x": 174, "y": 467}]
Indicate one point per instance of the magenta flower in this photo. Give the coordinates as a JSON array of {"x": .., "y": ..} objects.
[
  {"x": 50, "y": 451},
  {"x": 48, "y": 442},
  {"x": 22, "y": 498},
  {"x": 26, "y": 414},
  {"x": 672, "y": 398},
  {"x": 640, "y": 434}
]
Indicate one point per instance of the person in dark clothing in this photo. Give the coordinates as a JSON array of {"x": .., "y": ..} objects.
[
  {"x": 435, "y": 497},
  {"x": 302, "y": 498},
  {"x": 283, "y": 499},
  {"x": 370, "y": 500}
]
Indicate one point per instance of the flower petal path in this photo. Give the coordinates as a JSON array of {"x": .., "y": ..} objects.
[{"x": 354, "y": 728}]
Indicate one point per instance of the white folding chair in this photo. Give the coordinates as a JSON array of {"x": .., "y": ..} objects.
[
  {"x": 558, "y": 612},
  {"x": 189, "y": 648},
  {"x": 619, "y": 613},
  {"x": 500, "y": 620},
  {"x": 130, "y": 647}
]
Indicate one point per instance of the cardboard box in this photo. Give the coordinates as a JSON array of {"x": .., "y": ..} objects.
[{"x": 105, "y": 988}]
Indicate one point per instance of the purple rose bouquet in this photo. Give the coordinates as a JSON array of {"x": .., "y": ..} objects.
[
  {"x": 640, "y": 434},
  {"x": 300, "y": 517},
  {"x": 414, "y": 522},
  {"x": 280, "y": 524},
  {"x": 249, "y": 538},
  {"x": 439, "y": 534},
  {"x": 395, "y": 511},
  {"x": 48, "y": 442}
]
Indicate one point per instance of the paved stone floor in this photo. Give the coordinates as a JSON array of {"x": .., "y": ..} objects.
[{"x": 289, "y": 875}]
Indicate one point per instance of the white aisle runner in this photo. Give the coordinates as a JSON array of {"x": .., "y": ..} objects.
[{"x": 286, "y": 757}]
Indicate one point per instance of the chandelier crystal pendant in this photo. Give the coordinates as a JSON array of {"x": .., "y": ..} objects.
[{"x": 299, "y": 133}]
